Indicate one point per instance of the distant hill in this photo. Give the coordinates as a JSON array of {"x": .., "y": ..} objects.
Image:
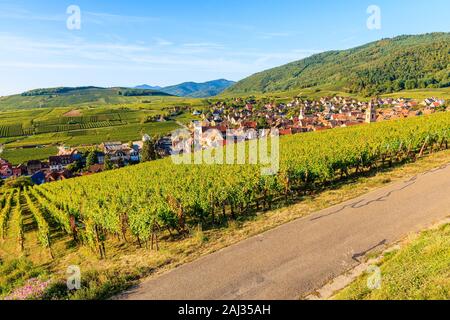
[
  {"x": 147, "y": 87},
  {"x": 385, "y": 66},
  {"x": 193, "y": 89},
  {"x": 68, "y": 96}
]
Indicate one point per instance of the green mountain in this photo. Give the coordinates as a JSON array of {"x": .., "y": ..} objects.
[
  {"x": 385, "y": 66},
  {"x": 199, "y": 90},
  {"x": 66, "y": 96}
]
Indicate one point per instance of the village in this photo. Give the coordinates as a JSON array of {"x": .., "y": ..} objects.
[
  {"x": 306, "y": 115},
  {"x": 297, "y": 116}
]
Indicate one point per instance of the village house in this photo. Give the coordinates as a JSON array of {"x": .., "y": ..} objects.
[
  {"x": 33, "y": 166},
  {"x": 38, "y": 177},
  {"x": 58, "y": 163},
  {"x": 119, "y": 152},
  {"x": 164, "y": 146},
  {"x": 6, "y": 169},
  {"x": 58, "y": 176},
  {"x": 96, "y": 168},
  {"x": 19, "y": 170}
]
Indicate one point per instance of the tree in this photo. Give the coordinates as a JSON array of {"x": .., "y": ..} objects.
[
  {"x": 91, "y": 158},
  {"x": 75, "y": 166},
  {"x": 262, "y": 123},
  {"x": 108, "y": 165},
  {"x": 149, "y": 149},
  {"x": 399, "y": 85},
  {"x": 410, "y": 84}
]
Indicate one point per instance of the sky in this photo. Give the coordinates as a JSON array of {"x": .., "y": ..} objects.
[{"x": 128, "y": 43}]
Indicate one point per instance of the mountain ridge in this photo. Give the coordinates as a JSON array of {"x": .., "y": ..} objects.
[
  {"x": 384, "y": 66},
  {"x": 194, "y": 89}
]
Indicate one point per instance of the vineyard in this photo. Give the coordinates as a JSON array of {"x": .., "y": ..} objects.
[
  {"x": 142, "y": 203},
  {"x": 12, "y": 131},
  {"x": 77, "y": 126},
  {"x": 64, "y": 124}
]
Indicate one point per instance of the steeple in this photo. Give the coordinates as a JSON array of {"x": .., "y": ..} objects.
[
  {"x": 371, "y": 113},
  {"x": 302, "y": 114}
]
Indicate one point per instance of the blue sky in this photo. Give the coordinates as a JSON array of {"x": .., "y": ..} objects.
[{"x": 126, "y": 43}]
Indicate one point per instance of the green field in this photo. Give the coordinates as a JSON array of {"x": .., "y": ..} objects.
[
  {"x": 418, "y": 271},
  {"x": 18, "y": 156},
  {"x": 421, "y": 94},
  {"x": 87, "y": 125}
]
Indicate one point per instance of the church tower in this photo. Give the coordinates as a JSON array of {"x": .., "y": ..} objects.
[
  {"x": 371, "y": 113},
  {"x": 302, "y": 114}
]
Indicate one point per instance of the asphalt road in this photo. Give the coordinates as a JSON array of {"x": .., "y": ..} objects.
[{"x": 299, "y": 257}]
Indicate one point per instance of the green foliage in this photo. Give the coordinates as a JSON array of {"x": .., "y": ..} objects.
[
  {"x": 380, "y": 67},
  {"x": 5, "y": 212},
  {"x": 18, "y": 183},
  {"x": 75, "y": 166},
  {"x": 39, "y": 218},
  {"x": 14, "y": 274},
  {"x": 54, "y": 91},
  {"x": 91, "y": 158},
  {"x": 148, "y": 152},
  {"x": 95, "y": 285},
  {"x": 108, "y": 164}
]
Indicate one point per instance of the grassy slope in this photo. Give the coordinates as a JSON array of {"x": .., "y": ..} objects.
[
  {"x": 420, "y": 270},
  {"x": 421, "y": 94},
  {"x": 317, "y": 93},
  {"x": 366, "y": 68},
  {"x": 22, "y": 155}
]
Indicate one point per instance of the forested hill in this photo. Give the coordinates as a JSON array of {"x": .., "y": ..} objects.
[
  {"x": 67, "y": 96},
  {"x": 198, "y": 90},
  {"x": 385, "y": 66}
]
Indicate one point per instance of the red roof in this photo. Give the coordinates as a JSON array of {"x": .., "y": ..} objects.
[
  {"x": 284, "y": 132},
  {"x": 250, "y": 124}
]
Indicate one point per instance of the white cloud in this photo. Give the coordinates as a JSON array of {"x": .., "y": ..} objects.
[
  {"x": 13, "y": 12},
  {"x": 103, "y": 17},
  {"x": 100, "y": 62},
  {"x": 162, "y": 42}
]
